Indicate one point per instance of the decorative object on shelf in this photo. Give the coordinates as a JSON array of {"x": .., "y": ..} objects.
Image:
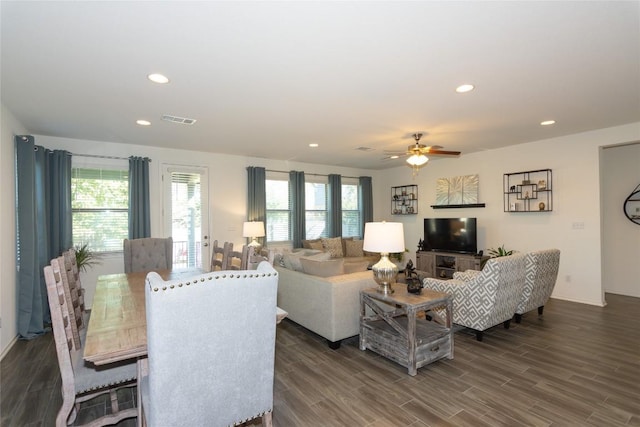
[
  {"x": 420, "y": 245},
  {"x": 541, "y": 206},
  {"x": 524, "y": 191},
  {"x": 458, "y": 190},
  {"x": 414, "y": 285},
  {"x": 384, "y": 238},
  {"x": 404, "y": 200},
  {"x": 253, "y": 229},
  {"x": 631, "y": 206}
]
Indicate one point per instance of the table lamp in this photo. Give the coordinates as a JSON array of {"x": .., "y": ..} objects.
[
  {"x": 253, "y": 229},
  {"x": 384, "y": 237}
]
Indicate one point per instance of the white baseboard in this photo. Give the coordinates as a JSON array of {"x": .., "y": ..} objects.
[{"x": 6, "y": 350}]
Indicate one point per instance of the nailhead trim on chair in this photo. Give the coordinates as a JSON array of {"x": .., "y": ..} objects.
[{"x": 223, "y": 276}]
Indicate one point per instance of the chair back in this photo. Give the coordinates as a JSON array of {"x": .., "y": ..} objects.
[
  {"x": 541, "y": 275},
  {"x": 71, "y": 308},
  {"x": 71, "y": 265},
  {"x": 237, "y": 260},
  {"x": 220, "y": 255},
  {"x": 211, "y": 345},
  {"x": 148, "y": 254}
]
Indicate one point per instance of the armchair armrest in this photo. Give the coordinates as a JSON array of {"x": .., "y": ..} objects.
[{"x": 466, "y": 276}]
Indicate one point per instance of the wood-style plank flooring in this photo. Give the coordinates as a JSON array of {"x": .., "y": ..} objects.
[{"x": 578, "y": 365}]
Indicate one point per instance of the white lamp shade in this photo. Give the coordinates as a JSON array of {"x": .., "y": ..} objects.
[
  {"x": 417, "y": 160},
  {"x": 385, "y": 237},
  {"x": 253, "y": 229}
]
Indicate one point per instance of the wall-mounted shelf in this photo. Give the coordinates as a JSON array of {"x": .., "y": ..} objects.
[
  {"x": 404, "y": 200},
  {"x": 528, "y": 191},
  {"x": 468, "y": 205}
]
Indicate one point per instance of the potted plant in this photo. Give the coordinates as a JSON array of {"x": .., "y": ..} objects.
[
  {"x": 498, "y": 252},
  {"x": 85, "y": 257},
  {"x": 398, "y": 258}
]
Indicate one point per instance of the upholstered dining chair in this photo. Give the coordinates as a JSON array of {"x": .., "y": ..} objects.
[
  {"x": 486, "y": 298},
  {"x": 79, "y": 381},
  {"x": 541, "y": 275},
  {"x": 210, "y": 364},
  {"x": 147, "y": 254}
]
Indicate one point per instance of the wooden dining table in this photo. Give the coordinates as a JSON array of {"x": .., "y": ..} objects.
[{"x": 117, "y": 327}]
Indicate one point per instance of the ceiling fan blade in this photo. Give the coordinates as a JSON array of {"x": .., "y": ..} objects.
[{"x": 442, "y": 152}]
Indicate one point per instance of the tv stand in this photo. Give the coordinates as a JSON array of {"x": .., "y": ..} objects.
[{"x": 442, "y": 265}]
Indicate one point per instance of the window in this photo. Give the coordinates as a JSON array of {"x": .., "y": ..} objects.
[
  {"x": 99, "y": 205},
  {"x": 315, "y": 208},
  {"x": 278, "y": 208},
  {"x": 350, "y": 209}
]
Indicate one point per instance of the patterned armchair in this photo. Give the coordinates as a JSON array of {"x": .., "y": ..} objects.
[
  {"x": 541, "y": 274},
  {"x": 211, "y": 346},
  {"x": 488, "y": 297}
]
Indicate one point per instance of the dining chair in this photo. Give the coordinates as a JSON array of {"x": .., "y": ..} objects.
[
  {"x": 81, "y": 382},
  {"x": 72, "y": 307},
  {"x": 219, "y": 356},
  {"x": 71, "y": 265},
  {"x": 147, "y": 254},
  {"x": 237, "y": 260},
  {"x": 219, "y": 256}
]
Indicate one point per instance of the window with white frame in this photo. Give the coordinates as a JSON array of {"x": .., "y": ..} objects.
[
  {"x": 100, "y": 204},
  {"x": 278, "y": 224},
  {"x": 315, "y": 193},
  {"x": 350, "y": 208}
]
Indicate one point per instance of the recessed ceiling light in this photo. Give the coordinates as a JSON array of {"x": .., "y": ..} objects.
[
  {"x": 547, "y": 122},
  {"x": 143, "y": 122},
  {"x": 394, "y": 157},
  {"x": 158, "y": 78},
  {"x": 465, "y": 88},
  {"x": 313, "y": 145}
]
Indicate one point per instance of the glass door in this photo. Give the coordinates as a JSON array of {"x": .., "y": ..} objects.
[{"x": 186, "y": 214}]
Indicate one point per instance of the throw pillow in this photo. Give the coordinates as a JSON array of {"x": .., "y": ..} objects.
[
  {"x": 355, "y": 266},
  {"x": 307, "y": 244},
  {"x": 316, "y": 244},
  {"x": 344, "y": 245},
  {"x": 291, "y": 260},
  {"x": 354, "y": 248},
  {"x": 333, "y": 246},
  {"x": 331, "y": 267}
]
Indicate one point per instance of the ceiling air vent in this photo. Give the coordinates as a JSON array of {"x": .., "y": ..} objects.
[
  {"x": 364, "y": 148},
  {"x": 179, "y": 120}
]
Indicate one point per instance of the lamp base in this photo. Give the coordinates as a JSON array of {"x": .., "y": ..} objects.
[{"x": 385, "y": 273}]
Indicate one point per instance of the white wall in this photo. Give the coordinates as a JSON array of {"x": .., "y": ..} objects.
[
  {"x": 8, "y": 299},
  {"x": 574, "y": 160},
  {"x": 227, "y": 188},
  {"x": 620, "y": 167}
]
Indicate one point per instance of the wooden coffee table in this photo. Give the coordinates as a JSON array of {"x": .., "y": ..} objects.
[{"x": 389, "y": 326}]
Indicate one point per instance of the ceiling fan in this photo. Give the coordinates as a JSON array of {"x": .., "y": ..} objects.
[
  {"x": 418, "y": 153},
  {"x": 418, "y": 149}
]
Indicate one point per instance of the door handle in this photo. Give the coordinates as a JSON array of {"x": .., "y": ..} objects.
[{"x": 205, "y": 244}]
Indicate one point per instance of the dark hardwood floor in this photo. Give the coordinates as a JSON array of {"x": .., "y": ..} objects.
[{"x": 577, "y": 365}]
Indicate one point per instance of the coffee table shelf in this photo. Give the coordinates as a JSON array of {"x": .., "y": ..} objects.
[{"x": 389, "y": 327}]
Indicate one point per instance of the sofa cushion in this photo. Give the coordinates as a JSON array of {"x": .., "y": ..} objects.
[
  {"x": 326, "y": 268},
  {"x": 307, "y": 243},
  {"x": 317, "y": 245},
  {"x": 333, "y": 246},
  {"x": 291, "y": 260},
  {"x": 354, "y": 248},
  {"x": 355, "y": 266}
]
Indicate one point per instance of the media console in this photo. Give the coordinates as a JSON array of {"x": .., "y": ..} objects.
[{"x": 442, "y": 265}]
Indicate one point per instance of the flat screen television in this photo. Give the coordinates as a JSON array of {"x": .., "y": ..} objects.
[{"x": 451, "y": 235}]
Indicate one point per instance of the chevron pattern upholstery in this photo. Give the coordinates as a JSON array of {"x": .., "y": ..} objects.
[
  {"x": 541, "y": 274},
  {"x": 488, "y": 298}
]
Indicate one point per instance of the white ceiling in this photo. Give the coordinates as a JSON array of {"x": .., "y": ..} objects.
[{"x": 265, "y": 79}]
